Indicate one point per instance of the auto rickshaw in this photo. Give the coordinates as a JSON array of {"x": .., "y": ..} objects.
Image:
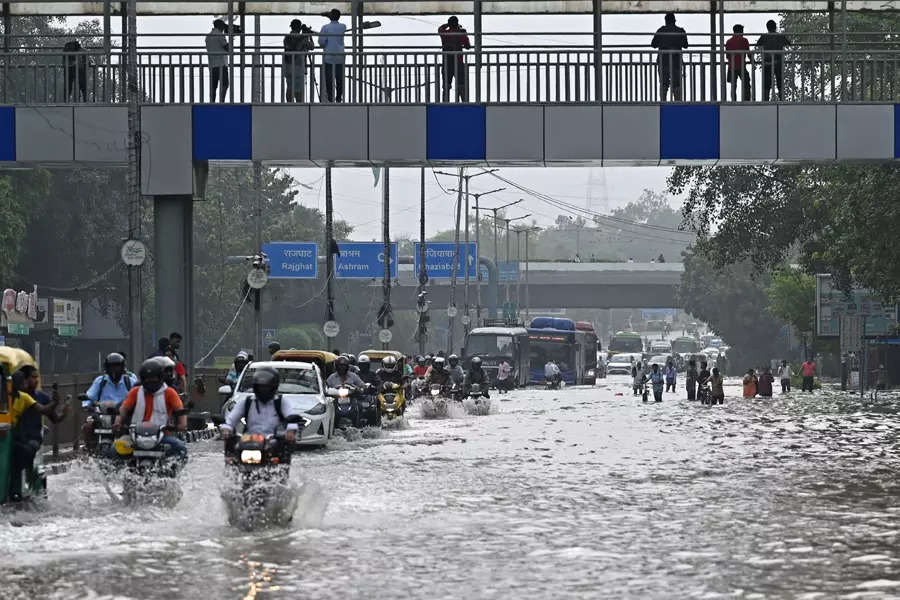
[
  {"x": 35, "y": 483},
  {"x": 323, "y": 359}
]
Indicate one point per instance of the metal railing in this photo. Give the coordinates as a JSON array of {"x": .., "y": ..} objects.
[{"x": 546, "y": 75}]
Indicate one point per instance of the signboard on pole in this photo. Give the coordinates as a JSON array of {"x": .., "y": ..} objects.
[
  {"x": 439, "y": 259},
  {"x": 363, "y": 260},
  {"x": 292, "y": 260},
  {"x": 851, "y": 334},
  {"x": 832, "y": 304},
  {"x": 508, "y": 271}
]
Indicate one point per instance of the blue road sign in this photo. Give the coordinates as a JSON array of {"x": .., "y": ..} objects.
[
  {"x": 364, "y": 260},
  {"x": 439, "y": 259},
  {"x": 508, "y": 271},
  {"x": 268, "y": 335},
  {"x": 292, "y": 260}
]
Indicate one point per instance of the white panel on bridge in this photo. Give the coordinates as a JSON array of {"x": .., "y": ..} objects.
[
  {"x": 398, "y": 134},
  {"x": 631, "y": 134},
  {"x": 167, "y": 150},
  {"x": 44, "y": 134},
  {"x": 865, "y": 131},
  {"x": 748, "y": 133},
  {"x": 338, "y": 133},
  {"x": 280, "y": 133},
  {"x": 101, "y": 134},
  {"x": 573, "y": 134},
  {"x": 514, "y": 134},
  {"x": 806, "y": 132}
]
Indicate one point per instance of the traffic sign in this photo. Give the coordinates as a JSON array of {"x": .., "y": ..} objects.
[
  {"x": 508, "y": 271},
  {"x": 268, "y": 335},
  {"x": 833, "y": 303},
  {"x": 292, "y": 260},
  {"x": 133, "y": 253},
  {"x": 385, "y": 336},
  {"x": 451, "y": 311},
  {"x": 66, "y": 330},
  {"x": 439, "y": 259},
  {"x": 24, "y": 329},
  {"x": 331, "y": 328},
  {"x": 257, "y": 279},
  {"x": 363, "y": 260}
]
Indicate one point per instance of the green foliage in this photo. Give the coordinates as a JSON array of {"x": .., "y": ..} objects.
[{"x": 792, "y": 297}]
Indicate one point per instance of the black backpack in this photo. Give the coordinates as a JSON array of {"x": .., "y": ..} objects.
[{"x": 276, "y": 400}]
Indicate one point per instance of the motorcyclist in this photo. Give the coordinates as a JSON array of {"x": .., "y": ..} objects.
[
  {"x": 389, "y": 373},
  {"x": 154, "y": 402},
  {"x": 240, "y": 361},
  {"x": 421, "y": 368},
  {"x": 437, "y": 373},
  {"x": 552, "y": 372},
  {"x": 112, "y": 386},
  {"x": 27, "y": 406},
  {"x": 168, "y": 366},
  {"x": 477, "y": 375},
  {"x": 264, "y": 411},
  {"x": 353, "y": 363},
  {"x": 343, "y": 375},
  {"x": 457, "y": 375},
  {"x": 365, "y": 371}
]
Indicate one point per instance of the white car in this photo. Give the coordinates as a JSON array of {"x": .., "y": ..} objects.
[
  {"x": 711, "y": 352},
  {"x": 661, "y": 347},
  {"x": 621, "y": 363},
  {"x": 659, "y": 359},
  {"x": 301, "y": 385}
]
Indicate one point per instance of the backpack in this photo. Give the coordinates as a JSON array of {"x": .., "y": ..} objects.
[{"x": 276, "y": 400}]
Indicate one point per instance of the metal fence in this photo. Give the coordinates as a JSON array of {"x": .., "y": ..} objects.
[{"x": 547, "y": 75}]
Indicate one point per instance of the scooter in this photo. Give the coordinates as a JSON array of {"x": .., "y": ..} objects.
[
  {"x": 97, "y": 429},
  {"x": 392, "y": 400},
  {"x": 477, "y": 403}
]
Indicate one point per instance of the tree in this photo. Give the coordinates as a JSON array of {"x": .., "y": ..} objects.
[
  {"x": 733, "y": 301},
  {"x": 792, "y": 298},
  {"x": 651, "y": 208}
]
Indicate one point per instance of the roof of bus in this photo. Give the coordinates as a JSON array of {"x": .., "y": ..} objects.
[{"x": 499, "y": 331}]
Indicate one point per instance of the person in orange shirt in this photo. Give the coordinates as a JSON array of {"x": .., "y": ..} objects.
[
  {"x": 750, "y": 384},
  {"x": 737, "y": 48},
  {"x": 155, "y": 402}
]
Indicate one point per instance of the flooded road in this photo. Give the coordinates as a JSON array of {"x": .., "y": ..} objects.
[{"x": 560, "y": 494}]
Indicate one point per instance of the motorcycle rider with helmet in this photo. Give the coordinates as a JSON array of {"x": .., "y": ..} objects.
[
  {"x": 343, "y": 375},
  {"x": 240, "y": 361},
  {"x": 421, "y": 368},
  {"x": 366, "y": 373},
  {"x": 457, "y": 375},
  {"x": 263, "y": 411},
  {"x": 477, "y": 375},
  {"x": 112, "y": 386},
  {"x": 437, "y": 373},
  {"x": 155, "y": 402},
  {"x": 389, "y": 373}
]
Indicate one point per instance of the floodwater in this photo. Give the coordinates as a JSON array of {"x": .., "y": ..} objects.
[{"x": 578, "y": 493}]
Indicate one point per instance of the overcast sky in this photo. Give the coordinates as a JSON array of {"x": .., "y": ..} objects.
[{"x": 358, "y": 202}]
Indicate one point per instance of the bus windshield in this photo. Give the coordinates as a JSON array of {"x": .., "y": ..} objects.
[
  {"x": 489, "y": 344},
  {"x": 560, "y": 352},
  {"x": 626, "y": 343}
]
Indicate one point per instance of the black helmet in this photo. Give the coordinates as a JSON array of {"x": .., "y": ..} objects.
[
  {"x": 351, "y": 358},
  {"x": 453, "y": 360},
  {"x": 476, "y": 362},
  {"x": 342, "y": 364},
  {"x": 265, "y": 383},
  {"x": 274, "y": 347},
  {"x": 114, "y": 358},
  {"x": 389, "y": 363},
  {"x": 151, "y": 369}
]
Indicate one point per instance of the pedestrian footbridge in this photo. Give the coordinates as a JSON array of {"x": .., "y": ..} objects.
[{"x": 176, "y": 138}]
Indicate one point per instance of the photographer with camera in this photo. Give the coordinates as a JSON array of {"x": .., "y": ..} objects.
[
  {"x": 297, "y": 45},
  {"x": 217, "y": 49},
  {"x": 453, "y": 41}
]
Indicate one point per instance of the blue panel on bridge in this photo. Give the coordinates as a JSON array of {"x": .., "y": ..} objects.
[
  {"x": 7, "y": 133},
  {"x": 222, "y": 132},
  {"x": 456, "y": 132},
  {"x": 897, "y": 131},
  {"x": 689, "y": 132}
]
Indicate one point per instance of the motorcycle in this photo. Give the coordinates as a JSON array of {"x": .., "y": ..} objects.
[
  {"x": 456, "y": 392},
  {"x": 392, "y": 400},
  {"x": 346, "y": 411},
  {"x": 149, "y": 474},
  {"x": 259, "y": 467},
  {"x": 477, "y": 403},
  {"x": 418, "y": 387},
  {"x": 98, "y": 433},
  {"x": 553, "y": 383},
  {"x": 434, "y": 406},
  {"x": 704, "y": 393}
]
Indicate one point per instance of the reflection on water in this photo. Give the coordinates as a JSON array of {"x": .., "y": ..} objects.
[{"x": 561, "y": 494}]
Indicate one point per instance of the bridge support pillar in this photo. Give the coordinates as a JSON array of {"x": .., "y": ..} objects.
[
  {"x": 493, "y": 286},
  {"x": 173, "y": 253}
]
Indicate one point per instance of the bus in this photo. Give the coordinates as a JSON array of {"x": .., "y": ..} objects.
[
  {"x": 494, "y": 344},
  {"x": 573, "y": 350},
  {"x": 626, "y": 341},
  {"x": 685, "y": 345}
]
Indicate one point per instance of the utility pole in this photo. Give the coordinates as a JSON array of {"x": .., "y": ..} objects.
[
  {"x": 451, "y": 309},
  {"x": 478, "y": 278},
  {"x": 527, "y": 287},
  {"x": 329, "y": 257},
  {"x": 257, "y": 189},
  {"x": 386, "y": 236},
  {"x": 422, "y": 303},
  {"x": 135, "y": 300}
]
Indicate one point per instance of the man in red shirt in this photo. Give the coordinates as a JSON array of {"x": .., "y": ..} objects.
[
  {"x": 155, "y": 402},
  {"x": 737, "y": 49},
  {"x": 808, "y": 369}
]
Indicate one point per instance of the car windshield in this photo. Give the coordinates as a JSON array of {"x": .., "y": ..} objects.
[{"x": 294, "y": 380}]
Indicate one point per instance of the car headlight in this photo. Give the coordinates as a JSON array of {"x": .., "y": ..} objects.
[
  {"x": 251, "y": 457},
  {"x": 591, "y": 373},
  {"x": 318, "y": 409}
]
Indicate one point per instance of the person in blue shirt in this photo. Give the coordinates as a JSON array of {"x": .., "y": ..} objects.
[
  {"x": 657, "y": 380},
  {"x": 113, "y": 385},
  {"x": 331, "y": 39}
]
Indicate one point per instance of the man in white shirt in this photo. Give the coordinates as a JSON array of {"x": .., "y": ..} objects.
[
  {"x": 784, "y": 373},
  {"x": 331, "y": 39},
  {"x": 217, "y": 51}
]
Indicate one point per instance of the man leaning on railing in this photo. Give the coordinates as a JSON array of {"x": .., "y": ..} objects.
[
  {"x": 771, "y": 45},
  {"x": 670, "y": 40},
  {"x": 453, "y": 41}
]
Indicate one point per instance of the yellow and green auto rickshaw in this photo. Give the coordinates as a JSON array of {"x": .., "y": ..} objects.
[
  {"x": 34, "y": 481},
  {"x": 323, "y": 359}
]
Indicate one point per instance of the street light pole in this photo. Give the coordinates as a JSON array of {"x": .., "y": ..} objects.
[
  {"x": 478, "y": 278},
  {"x": 329, "y": 257},
  {"x": 527, "y": 287}
]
